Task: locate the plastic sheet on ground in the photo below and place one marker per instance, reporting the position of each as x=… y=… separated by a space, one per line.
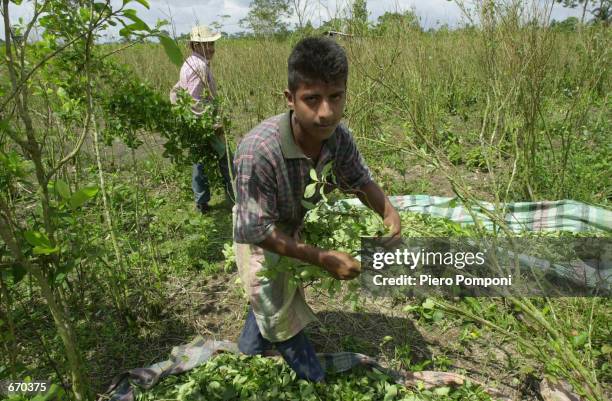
x=562 y=215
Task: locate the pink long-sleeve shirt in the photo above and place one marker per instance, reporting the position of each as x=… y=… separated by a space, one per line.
x=195 y=76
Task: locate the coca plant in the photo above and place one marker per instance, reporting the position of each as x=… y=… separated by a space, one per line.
x=49 y=107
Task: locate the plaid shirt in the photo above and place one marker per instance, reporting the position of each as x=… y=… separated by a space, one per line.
x=272 y=173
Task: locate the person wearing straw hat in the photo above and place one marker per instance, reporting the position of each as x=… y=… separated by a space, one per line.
x=197 y=79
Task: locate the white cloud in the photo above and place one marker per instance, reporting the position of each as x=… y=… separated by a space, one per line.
x=431 y=12
x=236 y=9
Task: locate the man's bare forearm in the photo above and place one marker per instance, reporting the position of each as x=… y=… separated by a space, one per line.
x=373 y=197
x=284 y=245
x=339 y=264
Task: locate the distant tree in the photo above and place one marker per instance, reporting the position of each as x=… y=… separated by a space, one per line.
x=569 y=24
x=303 y=9
x=218 y=25
x=444 y=28
x=334 y=24
x=603 y=13
x=126 y=39
x=600 y=11
x=265 y=17
x=241 y=34
x=306 y=30
x=359 y=16
x=392 y=22
x=360 y=11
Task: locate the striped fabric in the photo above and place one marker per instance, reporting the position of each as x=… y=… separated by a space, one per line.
x=562 y=215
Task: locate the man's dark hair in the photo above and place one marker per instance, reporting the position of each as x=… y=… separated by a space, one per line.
x=317 y=59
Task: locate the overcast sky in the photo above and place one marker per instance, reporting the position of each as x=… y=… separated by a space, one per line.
x=186 y=13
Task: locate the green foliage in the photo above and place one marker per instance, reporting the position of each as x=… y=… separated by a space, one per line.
x=455 y=147
x=334 y=24
x=229 y=255
x=265 y=17
x=395 y=23
x=229 y=376
x=13 y=168
x=587 y=165
x=344 y=226
x=172 y=50
x=41 y=243
x=427 y=310
x=359 y=16
x=81 y=196
x=570 y=24
x=132 y=106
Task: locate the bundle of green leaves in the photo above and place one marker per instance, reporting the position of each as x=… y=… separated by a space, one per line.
x=240 y=377
x=343 y=229
x=345 y=225
x=132 y=106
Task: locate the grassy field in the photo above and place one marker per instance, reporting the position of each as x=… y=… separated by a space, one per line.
x=481 y=110
x=507 y=112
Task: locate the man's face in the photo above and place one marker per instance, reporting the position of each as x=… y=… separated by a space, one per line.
x=318 y=108
x=206 y=49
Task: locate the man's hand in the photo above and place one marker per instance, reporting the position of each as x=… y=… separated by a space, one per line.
x=373 y=197
x=393 y=222
x=219 y=130
x=340 y=265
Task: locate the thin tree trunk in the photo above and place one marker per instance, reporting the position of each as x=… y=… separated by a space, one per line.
x=117 y=291
x=32 y=148
x=119 y=295
x=80 y=385
x=10 y=344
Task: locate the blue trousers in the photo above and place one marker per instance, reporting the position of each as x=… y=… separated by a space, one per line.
x=201 y=186
x=297 y=351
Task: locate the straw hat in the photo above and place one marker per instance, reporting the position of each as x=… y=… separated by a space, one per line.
x=203 y=34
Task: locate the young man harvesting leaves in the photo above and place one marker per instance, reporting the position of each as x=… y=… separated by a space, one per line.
x=272 y=164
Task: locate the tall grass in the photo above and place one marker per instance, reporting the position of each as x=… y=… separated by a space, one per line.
x=536 y=97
